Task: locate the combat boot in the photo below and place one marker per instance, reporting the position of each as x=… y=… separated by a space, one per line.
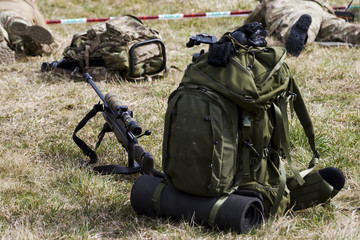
x=296 y=40
x=36 y=33
x=7 y=56
x=31 y=48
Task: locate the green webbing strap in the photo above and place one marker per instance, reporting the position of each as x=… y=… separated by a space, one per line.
x=281 y=190
x=281 y=122
x=306 y=122
x=215 y=209
x=246 y=133
x=306 y=172
x=283 y=103
x=277 y=66
x=156 y=197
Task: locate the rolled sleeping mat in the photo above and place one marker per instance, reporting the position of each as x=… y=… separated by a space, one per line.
x=238 y=212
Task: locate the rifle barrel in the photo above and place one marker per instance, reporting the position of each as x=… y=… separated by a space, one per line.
x=93 y=85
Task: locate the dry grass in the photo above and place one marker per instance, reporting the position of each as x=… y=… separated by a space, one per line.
x=43 y=193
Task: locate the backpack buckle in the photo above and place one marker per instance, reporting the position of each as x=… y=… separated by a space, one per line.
x=289 y=96
x=248 y=98
x=265 y=153
x=292 y=96
x=246 y=121
x=248 y=143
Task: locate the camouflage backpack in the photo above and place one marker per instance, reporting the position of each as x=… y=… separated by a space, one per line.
x=226 y=128
x=122 y=47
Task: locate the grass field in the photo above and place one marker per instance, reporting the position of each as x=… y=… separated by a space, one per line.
x=45 y=195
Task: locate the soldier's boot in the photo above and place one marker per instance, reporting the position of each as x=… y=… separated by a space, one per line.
x=32 y=48
x=7 y=55
x=296 y=40
x=36 y=33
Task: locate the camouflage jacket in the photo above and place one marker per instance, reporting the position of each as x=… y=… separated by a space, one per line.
x=26 y=8
x=258 y=15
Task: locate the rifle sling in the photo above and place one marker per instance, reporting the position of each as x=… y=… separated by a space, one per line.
x=104 y=170
x=115 y=169
x=81 y=144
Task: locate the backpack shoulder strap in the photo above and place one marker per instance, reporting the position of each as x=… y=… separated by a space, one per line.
x=306 y=122
x=282 y=122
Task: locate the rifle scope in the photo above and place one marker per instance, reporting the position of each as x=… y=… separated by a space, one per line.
x=115 y=104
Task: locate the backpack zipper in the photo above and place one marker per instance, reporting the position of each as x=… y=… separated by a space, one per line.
x=216 y=98
x=237 y=63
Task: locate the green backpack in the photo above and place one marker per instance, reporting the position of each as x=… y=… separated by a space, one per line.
x=122 y=47
x=226 y=128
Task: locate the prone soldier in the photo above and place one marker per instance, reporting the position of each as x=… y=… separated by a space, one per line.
x=296 y=23
x=22 y=29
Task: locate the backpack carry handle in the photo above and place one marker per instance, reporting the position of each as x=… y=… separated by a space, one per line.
x=132 y=49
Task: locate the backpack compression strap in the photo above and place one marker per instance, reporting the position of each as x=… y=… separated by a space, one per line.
x=282 y=124
x=89 y=49
x=281 y=132
x=215 y=209
x=218 y=204
x=157 y=195
x=281 y=190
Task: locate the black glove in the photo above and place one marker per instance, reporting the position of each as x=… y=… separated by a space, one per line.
x=220 y=53
x=254 y=32
x=251 y=34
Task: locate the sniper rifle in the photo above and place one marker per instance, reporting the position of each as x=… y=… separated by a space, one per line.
x=127 y=131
